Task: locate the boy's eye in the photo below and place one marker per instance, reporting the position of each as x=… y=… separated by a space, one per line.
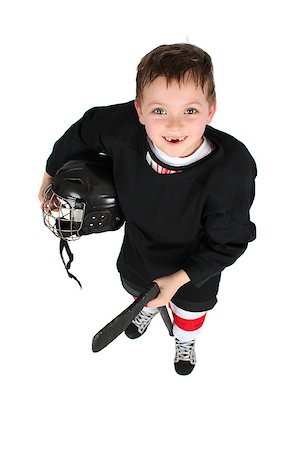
x=159 y=111
x=191 y=110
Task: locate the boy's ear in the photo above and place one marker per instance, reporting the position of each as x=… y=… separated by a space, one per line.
x=139 y=112
x=212 y=111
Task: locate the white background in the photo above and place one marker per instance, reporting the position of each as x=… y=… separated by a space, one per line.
x=59 y=58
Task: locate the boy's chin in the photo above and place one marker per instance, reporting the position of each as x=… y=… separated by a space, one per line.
x=177 y=151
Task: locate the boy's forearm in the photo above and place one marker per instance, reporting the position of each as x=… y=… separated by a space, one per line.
x=47 y=179
x=180 y=278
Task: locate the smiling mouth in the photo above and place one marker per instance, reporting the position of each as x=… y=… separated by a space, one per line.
x=174 y=139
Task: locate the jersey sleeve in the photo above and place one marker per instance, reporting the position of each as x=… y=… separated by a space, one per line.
x=227 y=228
x=84 y=136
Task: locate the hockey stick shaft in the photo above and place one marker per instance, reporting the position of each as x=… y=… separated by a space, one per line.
x=114 y=328
x=166 y=318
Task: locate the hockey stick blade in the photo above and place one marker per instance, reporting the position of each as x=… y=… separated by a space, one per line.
x=114 y=328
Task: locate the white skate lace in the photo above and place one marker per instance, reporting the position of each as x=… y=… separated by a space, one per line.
x=185 y=351
x=142 y=320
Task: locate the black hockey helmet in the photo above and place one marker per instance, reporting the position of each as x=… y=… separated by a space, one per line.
x=82 y=199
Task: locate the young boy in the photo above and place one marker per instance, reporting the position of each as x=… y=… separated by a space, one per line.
x=185 y=188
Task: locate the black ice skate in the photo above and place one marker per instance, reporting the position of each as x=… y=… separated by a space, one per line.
x=139 y=324
x=185 y=357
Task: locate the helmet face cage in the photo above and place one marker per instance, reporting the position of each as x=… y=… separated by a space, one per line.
x=63 y=216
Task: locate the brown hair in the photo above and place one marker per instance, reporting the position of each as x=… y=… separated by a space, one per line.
x=175 y=62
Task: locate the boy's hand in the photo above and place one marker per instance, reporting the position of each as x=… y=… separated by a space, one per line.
x=168 y=285
x=47 y=179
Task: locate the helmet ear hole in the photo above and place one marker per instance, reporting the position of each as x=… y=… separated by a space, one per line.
x=97 y=222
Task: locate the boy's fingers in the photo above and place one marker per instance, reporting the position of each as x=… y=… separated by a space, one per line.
x=159 y=301
x=51 y=205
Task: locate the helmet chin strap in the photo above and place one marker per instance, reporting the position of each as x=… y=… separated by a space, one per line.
x=63 y=245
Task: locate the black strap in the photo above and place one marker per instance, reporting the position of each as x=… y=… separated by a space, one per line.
x=64 y=245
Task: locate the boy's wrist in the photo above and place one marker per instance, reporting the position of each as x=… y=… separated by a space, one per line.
x=180 y=278
x=47 y=176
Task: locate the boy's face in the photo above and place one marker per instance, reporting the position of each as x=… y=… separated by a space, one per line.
x=175 y=116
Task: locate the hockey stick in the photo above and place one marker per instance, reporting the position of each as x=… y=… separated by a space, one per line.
x=114 y=328
x=166 y=318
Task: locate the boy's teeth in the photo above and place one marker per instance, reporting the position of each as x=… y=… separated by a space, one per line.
x=169 y=139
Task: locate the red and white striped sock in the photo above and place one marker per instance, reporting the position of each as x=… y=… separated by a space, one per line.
x=187 y=324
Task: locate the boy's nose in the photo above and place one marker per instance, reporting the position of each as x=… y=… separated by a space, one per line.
x=174 y=123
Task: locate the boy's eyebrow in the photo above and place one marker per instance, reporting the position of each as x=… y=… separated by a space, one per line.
x=162 y=104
